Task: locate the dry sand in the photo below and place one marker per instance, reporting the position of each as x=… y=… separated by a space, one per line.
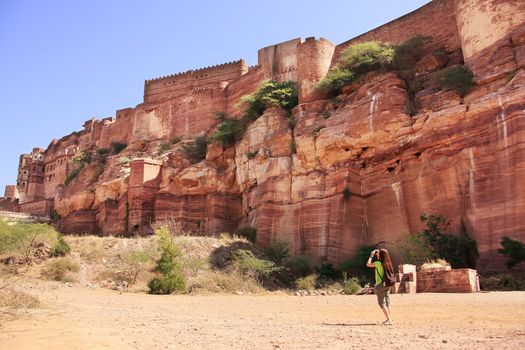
x=82 y=318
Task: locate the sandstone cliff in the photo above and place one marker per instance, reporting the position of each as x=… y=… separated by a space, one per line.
x=357 y=169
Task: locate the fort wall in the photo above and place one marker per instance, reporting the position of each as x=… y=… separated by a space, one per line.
x=279 y=62
x=314 y=58
x=436 y=19
x=165 y=88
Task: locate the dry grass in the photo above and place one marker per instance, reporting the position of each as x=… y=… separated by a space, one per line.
x=60 y=270
x=435 y=264
x=14 y=299
x=223 y=282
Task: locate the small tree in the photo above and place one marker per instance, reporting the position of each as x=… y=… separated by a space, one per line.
x=196 y=151
x=514 y=250
x=168 y=265
x=458 y=78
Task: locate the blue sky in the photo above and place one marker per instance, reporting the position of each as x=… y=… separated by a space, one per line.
x=66 y=61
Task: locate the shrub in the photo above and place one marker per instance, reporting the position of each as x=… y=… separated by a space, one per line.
x=73 y=174
x=252 y=155
x=21 y=240
x=59 y=270
x=175 y=140
x=307 y=283
x=250 y=233
x=350 y=285
x=415 y=249
x=253 y=266
x=163 y=147
x=83 y=157
x=118 y=147
x=357 y=265
x=459 y=250
x=277 y=251
x=366 y=57
x=299 y=265
x=138 y=261
x=196 y=151
x=514 y=250
x=502 y=282
x=124 y=160
x=102 y=151
x=346 y=193
x=168 y=265
x=336 y=79
x=270 y=93
x=228 y=132
x=458 y=78
x=61 y=247
x=328 y=271
x=410 y=52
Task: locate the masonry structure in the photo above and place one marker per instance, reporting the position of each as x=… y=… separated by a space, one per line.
x=460 y=157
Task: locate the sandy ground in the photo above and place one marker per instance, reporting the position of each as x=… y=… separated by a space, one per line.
x=82 y=318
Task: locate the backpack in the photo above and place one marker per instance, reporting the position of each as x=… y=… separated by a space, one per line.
x=389 y=278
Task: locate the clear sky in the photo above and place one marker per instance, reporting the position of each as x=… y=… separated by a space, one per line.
x=66 y=61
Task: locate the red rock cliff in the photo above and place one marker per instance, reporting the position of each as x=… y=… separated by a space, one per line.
x=460 y=157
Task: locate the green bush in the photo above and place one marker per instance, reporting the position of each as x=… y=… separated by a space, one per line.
x=196 y=151
x=366 y=57
x=514 y=250
x=350 y=285
x=228 y=132
x=83 y=157
x=270 y=93
x=300 y=265
x=307 y=282
x=336 y=79
x=175 y=140
x=118 y=147
x=61 y=247
x=250 y=233
x=102 y=151
x=357 y=265
x=253 y=266
x=73 y=174
x=410 y=52
x=346 y=193
x=164 y=147
x=459 y=250
x=457 y=78
x=168 y=265
x=20 y=240
x=415 y=249
x=328 y=271
x=277 y=251
x=252 y=155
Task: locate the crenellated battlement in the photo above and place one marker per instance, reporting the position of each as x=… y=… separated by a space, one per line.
x=204 y=70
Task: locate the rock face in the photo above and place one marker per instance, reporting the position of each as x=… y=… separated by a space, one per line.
x=354 y=170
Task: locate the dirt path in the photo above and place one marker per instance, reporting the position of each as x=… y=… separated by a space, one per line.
x=83 y=318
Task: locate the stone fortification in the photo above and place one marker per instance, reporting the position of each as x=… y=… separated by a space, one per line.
x=361 y=171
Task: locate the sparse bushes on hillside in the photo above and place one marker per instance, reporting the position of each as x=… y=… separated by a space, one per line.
x=410 y=52
x=196 y=151
x=61 y=247
x=277 y=252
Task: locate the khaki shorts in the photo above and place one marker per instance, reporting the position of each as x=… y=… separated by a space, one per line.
x=383 y=295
